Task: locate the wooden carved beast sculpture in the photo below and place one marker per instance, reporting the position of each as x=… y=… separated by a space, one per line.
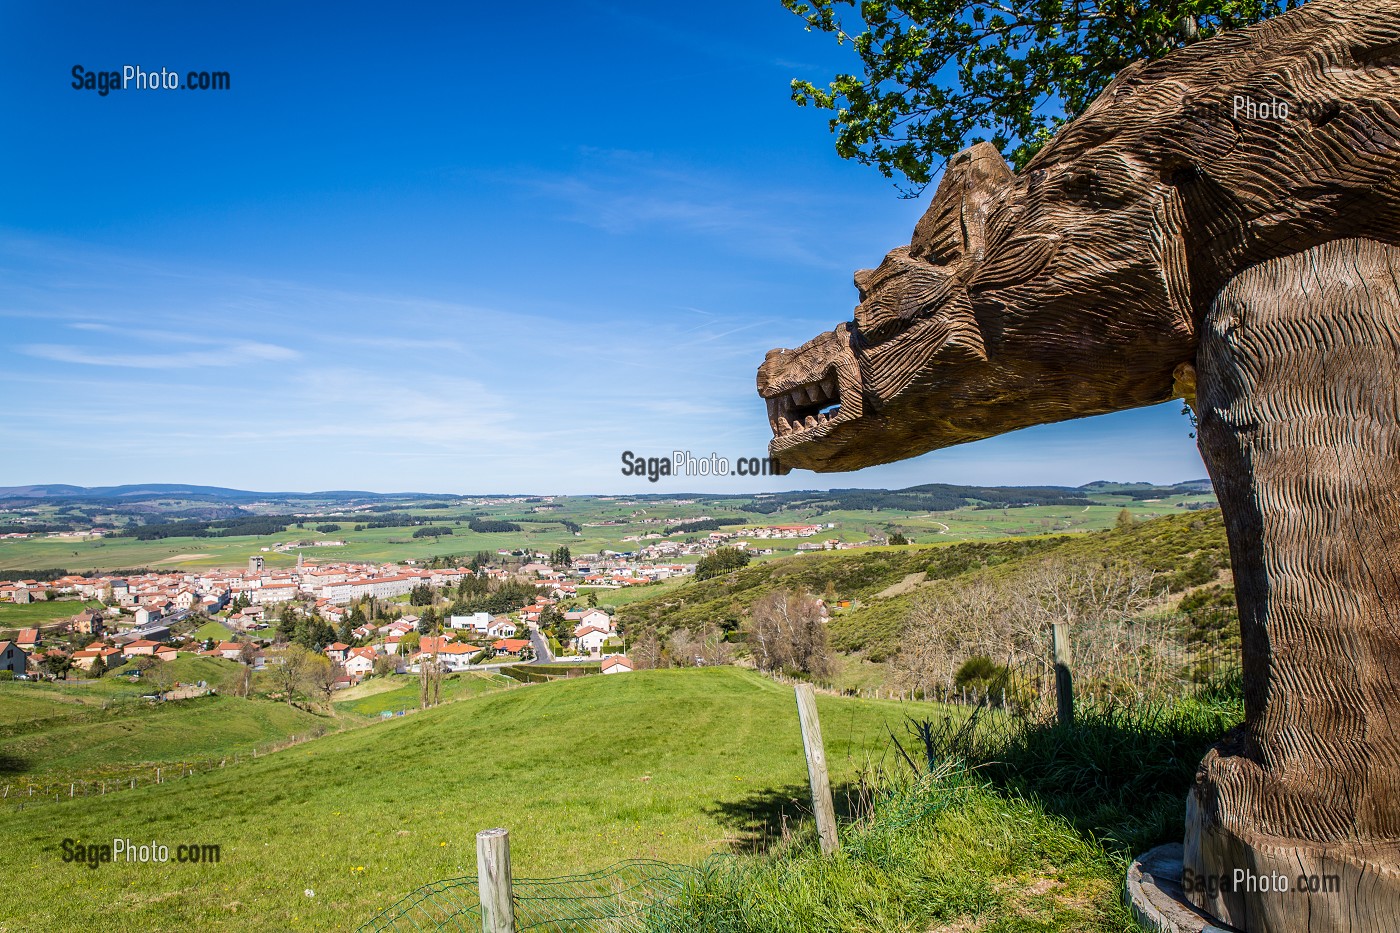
x=1224 y=221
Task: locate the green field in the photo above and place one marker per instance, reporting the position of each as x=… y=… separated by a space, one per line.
x=55 y=734
x=32 y=615
x=224 y=676
x=402 y=692
x=211 y=630
x=545 y=531
x=669 y=765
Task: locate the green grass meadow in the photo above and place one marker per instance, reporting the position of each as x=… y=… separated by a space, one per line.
x=402 y=692
x=668 y=765
x=212 y=630
x=130 y=738
x=544 y=532
x=35 y=614
x=1030 y=834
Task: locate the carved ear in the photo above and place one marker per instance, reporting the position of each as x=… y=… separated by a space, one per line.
x=951 y=231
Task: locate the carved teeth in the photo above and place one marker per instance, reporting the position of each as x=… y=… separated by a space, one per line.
x=799 y=408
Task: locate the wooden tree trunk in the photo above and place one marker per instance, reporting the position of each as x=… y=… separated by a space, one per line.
x=1299 y=401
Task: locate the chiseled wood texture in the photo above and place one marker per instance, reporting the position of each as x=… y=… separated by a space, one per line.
x=1077 y=286
x=1166 y=229
x=1299 y=402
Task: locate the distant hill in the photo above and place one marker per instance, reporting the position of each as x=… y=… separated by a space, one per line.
x=859 y=498
x=184 y=491
x=943 y=497
x=1186 y=550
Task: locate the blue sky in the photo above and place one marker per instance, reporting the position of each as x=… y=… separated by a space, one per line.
x=441 y=248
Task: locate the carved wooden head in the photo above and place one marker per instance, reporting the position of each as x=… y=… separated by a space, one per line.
x=1075 y=287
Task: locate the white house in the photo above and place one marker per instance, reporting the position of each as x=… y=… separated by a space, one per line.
x=477 y=621
x=454 y=657
x=273 y=593
x=590 y=640
x=595 y=618
x=501 y=628
x=360 y=663
x=617 y=664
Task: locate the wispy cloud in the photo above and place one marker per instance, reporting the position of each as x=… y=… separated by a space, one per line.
x=362 y=386
x=233 y=353
x=627 y=193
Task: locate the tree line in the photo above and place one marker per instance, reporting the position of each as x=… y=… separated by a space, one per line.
x=491 y=526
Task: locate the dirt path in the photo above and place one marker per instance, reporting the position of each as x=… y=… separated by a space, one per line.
x=903 y=586
x=177 y=558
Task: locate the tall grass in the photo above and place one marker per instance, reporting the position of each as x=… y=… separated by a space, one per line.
x=998 y=823
x=930 y=853
x=1118 y=774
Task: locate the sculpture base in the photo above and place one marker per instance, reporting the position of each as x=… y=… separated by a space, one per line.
x=1154 y=895
x=1276 y=885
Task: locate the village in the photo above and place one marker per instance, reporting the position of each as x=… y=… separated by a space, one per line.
x=370 y=618
x=158 y=616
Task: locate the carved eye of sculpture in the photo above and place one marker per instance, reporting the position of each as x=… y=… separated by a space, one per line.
x=1077 y=187
x=1101 y=184
x=896 y=295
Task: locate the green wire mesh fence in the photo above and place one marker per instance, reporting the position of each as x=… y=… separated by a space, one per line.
x=630 y=896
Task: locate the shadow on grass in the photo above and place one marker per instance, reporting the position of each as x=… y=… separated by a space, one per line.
x=12 y=764
x=1118 y=774
x=764 y=818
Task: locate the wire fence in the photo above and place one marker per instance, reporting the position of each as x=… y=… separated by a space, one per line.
x=634 y=896
x=1142 y=664
x=1149 y=665
x=31 y=790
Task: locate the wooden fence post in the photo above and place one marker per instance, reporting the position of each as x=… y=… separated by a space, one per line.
x=822 y=807
x=1064 y=681
x=493 y=881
